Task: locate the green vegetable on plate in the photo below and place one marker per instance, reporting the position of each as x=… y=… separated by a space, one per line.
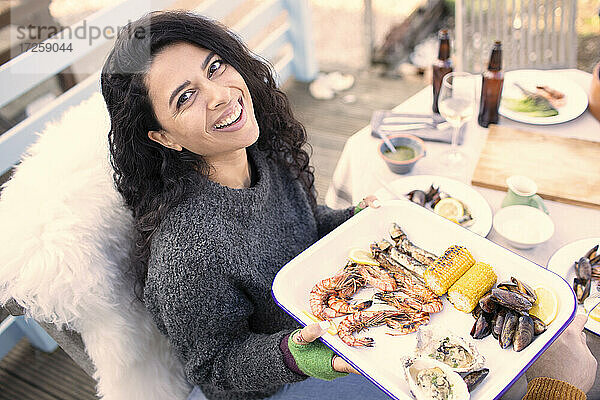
x=532 y=104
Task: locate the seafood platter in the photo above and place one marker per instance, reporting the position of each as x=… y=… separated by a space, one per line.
x=422 y=307
x=445 y=196
x=579 y=263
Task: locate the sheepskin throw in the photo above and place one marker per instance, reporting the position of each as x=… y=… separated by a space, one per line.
x=65 y=238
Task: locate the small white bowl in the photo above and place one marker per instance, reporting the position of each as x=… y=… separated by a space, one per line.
x=523 y=227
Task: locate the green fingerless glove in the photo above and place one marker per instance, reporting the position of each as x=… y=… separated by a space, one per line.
x=314 y=359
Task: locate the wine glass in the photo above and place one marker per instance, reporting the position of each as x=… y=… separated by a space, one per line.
x=457 y=105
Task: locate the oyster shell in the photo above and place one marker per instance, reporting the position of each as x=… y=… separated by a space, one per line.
x=459 y=353
x=429 y=379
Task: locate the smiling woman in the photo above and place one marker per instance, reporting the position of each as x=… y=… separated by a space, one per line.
x=211 y=161
x=209 y=114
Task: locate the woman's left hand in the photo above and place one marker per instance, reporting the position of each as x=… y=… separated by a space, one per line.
x=312 y=332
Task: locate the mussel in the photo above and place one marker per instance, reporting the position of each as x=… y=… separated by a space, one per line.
x=525 y=290
x=417 y=196
x=499 y=323
x=487 y=303
x=538 y=325
x=466 y=220
x=431 y=193
x=520 y=287
x=493 y=325
x=476 y=311
x=511 y=320
x=472 y=379
x=583 y=269
x=591 y=252
x=582 y=288
x=523 y=333
x=482 y=327
x=512 y=300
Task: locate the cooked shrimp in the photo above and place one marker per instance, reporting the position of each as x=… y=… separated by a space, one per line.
x=342 y=306
x=357 y=322
x=345 y=282
x=430 y=302
x=377 y=277
x=400 y=301
x=404 y=324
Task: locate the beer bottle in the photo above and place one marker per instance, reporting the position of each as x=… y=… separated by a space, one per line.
x=441 y=67
x=491 y=88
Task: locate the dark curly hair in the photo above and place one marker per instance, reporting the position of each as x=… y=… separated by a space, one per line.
x=153 y=178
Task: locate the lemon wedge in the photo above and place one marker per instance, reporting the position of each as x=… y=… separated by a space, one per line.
x=332 y=329
x=361 y=256
x=589 y=303
x=450 y=208
x=546 y=306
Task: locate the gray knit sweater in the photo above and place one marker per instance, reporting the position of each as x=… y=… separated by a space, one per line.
x=212 y=264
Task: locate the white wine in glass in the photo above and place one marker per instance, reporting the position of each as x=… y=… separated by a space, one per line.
x=457 y=105
x=456 y=111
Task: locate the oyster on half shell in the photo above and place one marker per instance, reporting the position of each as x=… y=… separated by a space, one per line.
x=429 y=379
x=459 y=353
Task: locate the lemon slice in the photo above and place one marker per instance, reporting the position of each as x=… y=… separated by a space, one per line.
x=546 y=306
x=361 y=256
x=332 y=330
x=449 y=208
x=589 y=303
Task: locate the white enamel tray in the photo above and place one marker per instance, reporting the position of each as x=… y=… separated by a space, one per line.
x=562 y=261
x=380 y=363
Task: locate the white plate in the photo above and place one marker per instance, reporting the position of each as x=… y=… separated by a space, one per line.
x=381 y=363
x=576 y=99
x=562 y=261
x=480 y=209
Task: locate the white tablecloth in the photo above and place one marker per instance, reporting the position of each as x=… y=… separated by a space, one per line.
x=360 y=170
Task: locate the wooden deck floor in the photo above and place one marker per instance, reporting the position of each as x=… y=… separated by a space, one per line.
x=28 y=374
x=329 y=123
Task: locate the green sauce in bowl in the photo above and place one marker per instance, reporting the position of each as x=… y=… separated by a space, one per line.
x=402 y=153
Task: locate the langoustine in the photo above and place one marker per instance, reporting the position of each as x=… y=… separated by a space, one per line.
x=343 y=284
x=401 y=322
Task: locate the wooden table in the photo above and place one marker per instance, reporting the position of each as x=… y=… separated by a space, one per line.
x=360 y=170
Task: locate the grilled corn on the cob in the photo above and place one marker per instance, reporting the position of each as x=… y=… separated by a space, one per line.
x=469 y=288
x=448 y=268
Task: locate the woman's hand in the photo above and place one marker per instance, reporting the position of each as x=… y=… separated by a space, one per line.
x=311 y=333
x=369 y=201
x=568 y=358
